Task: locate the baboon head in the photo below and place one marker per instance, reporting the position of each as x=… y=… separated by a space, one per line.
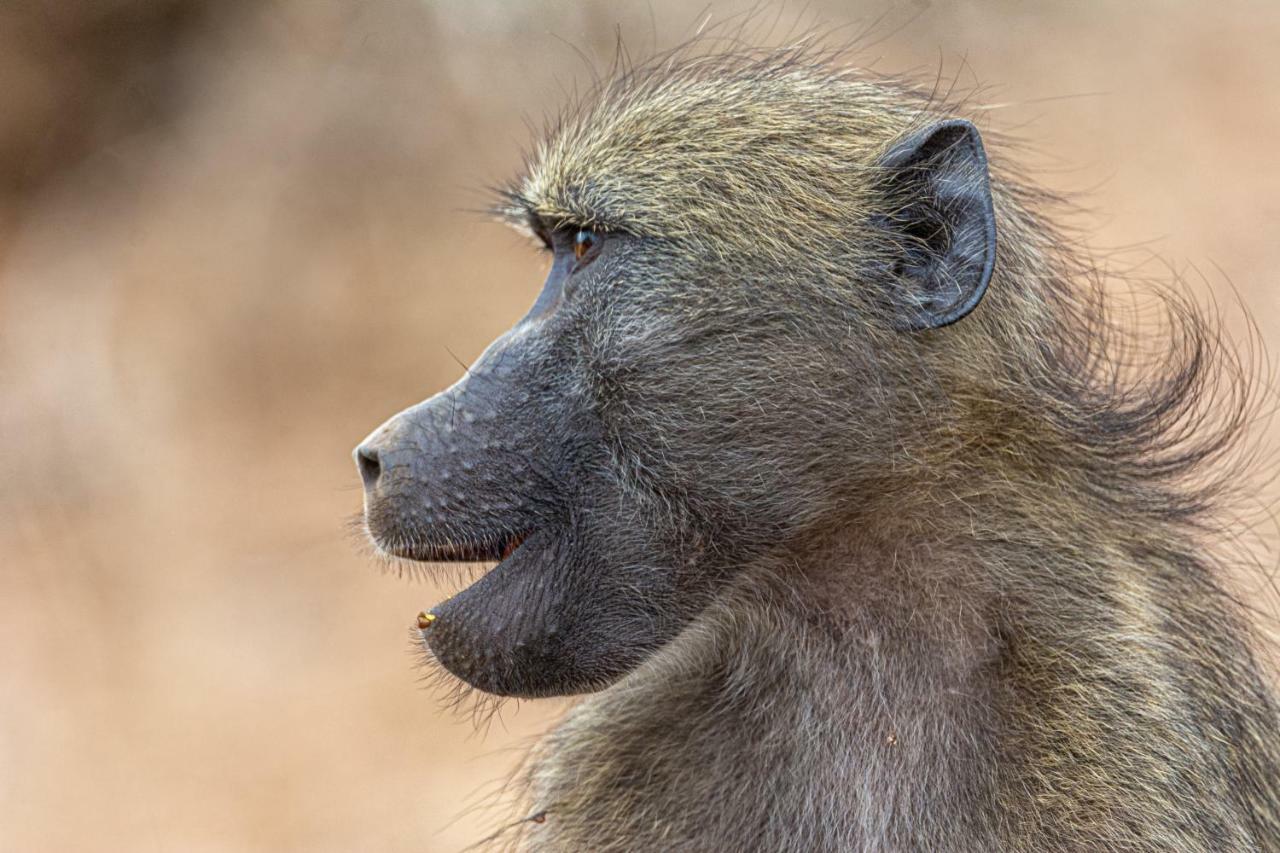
x=751 y=263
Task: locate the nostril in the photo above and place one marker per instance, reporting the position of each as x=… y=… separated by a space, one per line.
x=369 y=464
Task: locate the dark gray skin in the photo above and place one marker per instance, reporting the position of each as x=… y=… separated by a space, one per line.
x=532 y=454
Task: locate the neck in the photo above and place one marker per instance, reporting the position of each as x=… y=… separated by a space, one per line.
x=843 y=723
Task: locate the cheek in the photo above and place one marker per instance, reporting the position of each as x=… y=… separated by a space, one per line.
x=739 y=422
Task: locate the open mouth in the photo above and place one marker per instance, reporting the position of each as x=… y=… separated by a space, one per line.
x=487 y=550
x=492 y=550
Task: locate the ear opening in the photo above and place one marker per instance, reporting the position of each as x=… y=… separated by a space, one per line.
x=941 y=224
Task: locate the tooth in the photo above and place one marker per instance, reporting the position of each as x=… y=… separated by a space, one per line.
x=425 y=619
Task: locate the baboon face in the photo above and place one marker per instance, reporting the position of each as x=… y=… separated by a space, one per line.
x=673 y=404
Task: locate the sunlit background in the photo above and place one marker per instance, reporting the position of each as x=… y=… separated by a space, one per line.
x=234 y=236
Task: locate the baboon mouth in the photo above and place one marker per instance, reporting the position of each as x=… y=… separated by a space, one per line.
x=482 y=550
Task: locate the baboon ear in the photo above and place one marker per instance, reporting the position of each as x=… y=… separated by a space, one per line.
x=941 y=222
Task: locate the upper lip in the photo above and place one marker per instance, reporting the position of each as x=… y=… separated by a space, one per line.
x=481 y=550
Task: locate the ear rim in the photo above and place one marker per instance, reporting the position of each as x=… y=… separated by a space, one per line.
x=901 y=154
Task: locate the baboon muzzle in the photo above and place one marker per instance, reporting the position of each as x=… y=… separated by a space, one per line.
x=452 y=478
x=477 y=474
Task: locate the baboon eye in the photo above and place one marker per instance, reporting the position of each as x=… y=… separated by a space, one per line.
x=586 y=243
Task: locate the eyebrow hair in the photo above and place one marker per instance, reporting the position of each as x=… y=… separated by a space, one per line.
x=512 y=207
x=517 y=211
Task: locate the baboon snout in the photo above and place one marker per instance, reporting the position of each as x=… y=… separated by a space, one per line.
x=398 y=472
x=448 y=479
x=379 y=454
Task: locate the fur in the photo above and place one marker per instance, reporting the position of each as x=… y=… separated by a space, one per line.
x=976 y=605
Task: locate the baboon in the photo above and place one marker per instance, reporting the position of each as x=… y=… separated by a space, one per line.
x=821 y=463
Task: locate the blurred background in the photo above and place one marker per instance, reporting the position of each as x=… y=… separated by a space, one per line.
x=235 y=236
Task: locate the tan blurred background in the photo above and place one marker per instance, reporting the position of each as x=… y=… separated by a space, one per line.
x=234 y=236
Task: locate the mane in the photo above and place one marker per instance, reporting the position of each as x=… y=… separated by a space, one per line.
x=1163 y=412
